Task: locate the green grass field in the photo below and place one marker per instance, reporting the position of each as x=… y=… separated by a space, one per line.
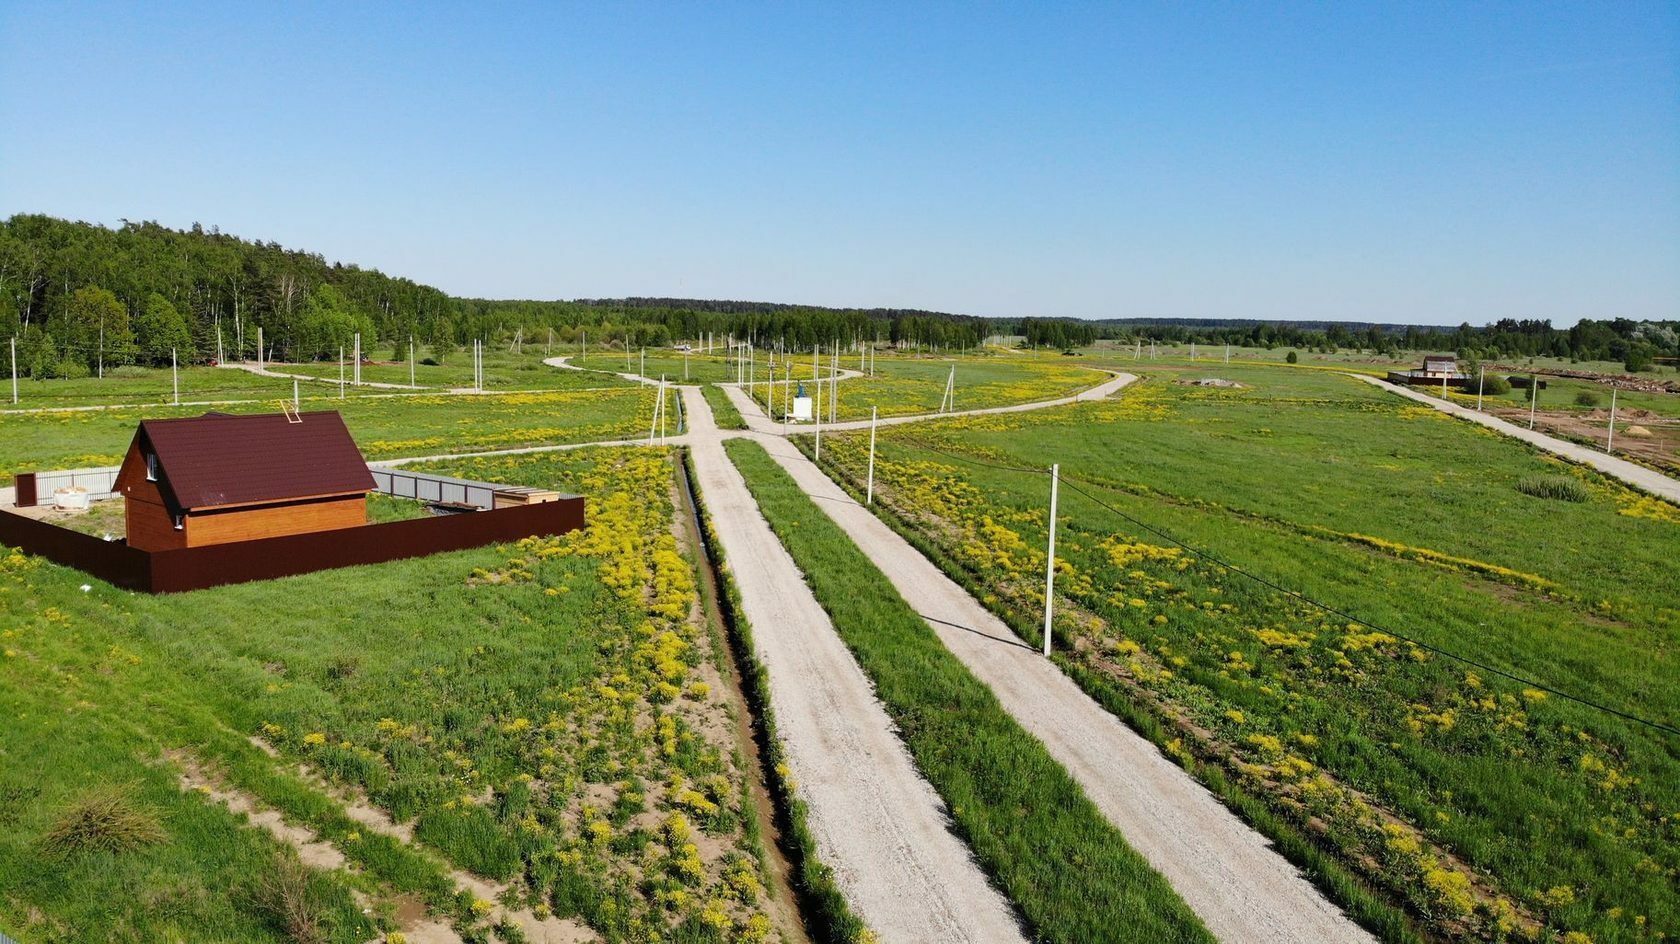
x=384 y=427
x=906 y=385
x=146 y=385
x=1479 y=805
x=503 y=371
x=1025 y=818
x=548 y=715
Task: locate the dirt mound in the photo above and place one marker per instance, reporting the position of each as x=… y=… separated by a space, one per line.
x=1638 y=431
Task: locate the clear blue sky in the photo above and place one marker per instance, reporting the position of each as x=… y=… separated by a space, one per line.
x=1402 y=162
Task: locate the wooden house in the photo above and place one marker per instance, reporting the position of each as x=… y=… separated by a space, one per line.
x=218 y=478
x=1440 y=365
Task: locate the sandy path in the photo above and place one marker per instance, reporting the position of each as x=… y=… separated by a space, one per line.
x=1636 y=475
x=1225 y=871
x=878 y=824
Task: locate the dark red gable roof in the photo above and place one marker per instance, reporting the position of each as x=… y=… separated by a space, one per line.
x=219 y=459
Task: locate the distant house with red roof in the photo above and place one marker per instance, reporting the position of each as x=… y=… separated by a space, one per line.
x=218 y=478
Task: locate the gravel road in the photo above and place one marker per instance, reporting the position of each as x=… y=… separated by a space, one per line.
x=878 y=824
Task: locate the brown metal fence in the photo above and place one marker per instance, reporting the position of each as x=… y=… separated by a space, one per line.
x=195 y=568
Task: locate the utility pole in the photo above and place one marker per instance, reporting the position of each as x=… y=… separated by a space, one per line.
x=1609 y=440
x=834 y=394
x=1050 y=564
x=356 y=371
x=1481 y=383
x=341 y=371
x=14 y=370
x=219 y=358
x=1534 y=397
x=294 y=395
x=816 y=413
x=869 y=490
x=174 y=377
x=411 y=361
x=260 y=352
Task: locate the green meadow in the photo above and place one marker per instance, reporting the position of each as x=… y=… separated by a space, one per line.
x=384 y=426
x=547 y=716
x=1430 y=796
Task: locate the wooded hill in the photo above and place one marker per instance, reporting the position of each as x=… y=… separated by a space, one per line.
x=81 y=296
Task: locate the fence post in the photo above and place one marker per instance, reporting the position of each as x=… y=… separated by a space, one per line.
x=1050 y=565
x=1610 y=440
x=14 y=370
x=869 y=493
x=174 y=377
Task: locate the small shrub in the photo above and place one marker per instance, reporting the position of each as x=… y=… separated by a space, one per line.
x=1560 y=487
x=103 y=819
x=1493 y=385
x=1587 y=398
x=1293 y=358
x=429 y=361
x=285 y=897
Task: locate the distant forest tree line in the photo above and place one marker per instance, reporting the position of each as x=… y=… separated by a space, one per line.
x=1634 y=344
x=81 y=298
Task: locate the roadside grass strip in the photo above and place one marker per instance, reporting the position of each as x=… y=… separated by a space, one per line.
x=1050 y=850
x=724 y=412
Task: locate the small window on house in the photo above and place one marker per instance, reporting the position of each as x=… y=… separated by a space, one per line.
x=151 y=467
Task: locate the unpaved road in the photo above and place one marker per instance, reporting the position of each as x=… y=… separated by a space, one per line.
x=1636 y=475
x=760 y=422
x=1241 y=888
x=878 y=824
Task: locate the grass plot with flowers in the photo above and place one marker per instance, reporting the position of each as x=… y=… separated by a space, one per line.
x=1429 y=796
x=546 y=716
